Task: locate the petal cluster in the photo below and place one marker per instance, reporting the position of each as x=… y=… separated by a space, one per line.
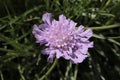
x=63 y=39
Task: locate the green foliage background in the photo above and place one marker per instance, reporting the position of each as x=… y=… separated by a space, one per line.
x=20 y=57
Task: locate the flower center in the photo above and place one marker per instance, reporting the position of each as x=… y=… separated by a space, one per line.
x=57 y=38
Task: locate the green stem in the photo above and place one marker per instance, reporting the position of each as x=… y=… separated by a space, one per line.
x=6 y=50
x=114 y=41
x=68 y=68
x=116 y=37
x=1 y=75
x=107 y=3
x=109 y=39
x=75 y=72
x=49 y=71
x=21 y=72
x=105 y=27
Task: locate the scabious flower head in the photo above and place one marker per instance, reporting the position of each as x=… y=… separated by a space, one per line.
x=63 y=39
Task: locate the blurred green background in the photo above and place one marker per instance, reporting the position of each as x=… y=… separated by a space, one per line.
x=20 y=57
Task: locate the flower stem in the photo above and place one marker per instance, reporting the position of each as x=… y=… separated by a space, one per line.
x=105 y=27
x=1 y=75
x=49 y=71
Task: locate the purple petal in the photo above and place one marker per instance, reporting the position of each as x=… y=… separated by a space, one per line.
x=79 y=58
x=43 y=26
x=45 y=51
x=36 y=30
x=51 y=55
x=58 y=54
x=37 y=33
x=47 y=18
x=90 y=45
x=62 y=18
x=66 y=56
x=72 y=25
x=80 y=29
x=38 y=38
x=50 y=58
x=88 y=33
x=84 y=49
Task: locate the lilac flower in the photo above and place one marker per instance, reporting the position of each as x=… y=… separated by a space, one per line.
x=62 y=39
